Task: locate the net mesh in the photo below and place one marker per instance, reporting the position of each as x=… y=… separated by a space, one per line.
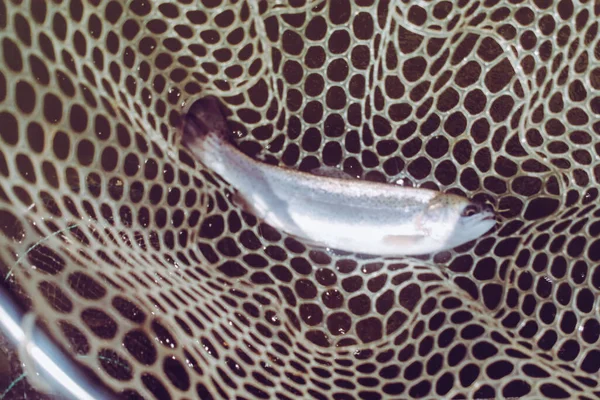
x=145 y=271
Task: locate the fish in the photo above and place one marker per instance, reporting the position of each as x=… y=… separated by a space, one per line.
x=328 y=208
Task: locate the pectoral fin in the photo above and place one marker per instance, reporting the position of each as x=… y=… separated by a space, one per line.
x=331 y=172
x=402 y=240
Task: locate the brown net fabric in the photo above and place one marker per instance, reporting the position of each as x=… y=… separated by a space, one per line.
x=144 y=270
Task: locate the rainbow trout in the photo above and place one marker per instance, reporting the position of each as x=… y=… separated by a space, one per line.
x=335 y=211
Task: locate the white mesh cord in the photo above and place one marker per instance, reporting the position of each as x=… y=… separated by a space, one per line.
x=144 y=271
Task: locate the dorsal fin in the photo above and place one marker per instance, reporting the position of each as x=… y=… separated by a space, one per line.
x=331 y=172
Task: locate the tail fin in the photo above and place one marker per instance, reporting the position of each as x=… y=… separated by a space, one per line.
x=206 y=135
x=204 y=121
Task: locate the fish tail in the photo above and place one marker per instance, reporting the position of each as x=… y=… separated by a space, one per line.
x=205 y=127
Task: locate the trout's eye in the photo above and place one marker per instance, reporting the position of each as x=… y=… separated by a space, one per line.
x=469 y=210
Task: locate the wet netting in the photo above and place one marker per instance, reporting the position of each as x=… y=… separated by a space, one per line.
x=143 y=270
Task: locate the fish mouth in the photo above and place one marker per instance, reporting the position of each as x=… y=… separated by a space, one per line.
x=488 y=217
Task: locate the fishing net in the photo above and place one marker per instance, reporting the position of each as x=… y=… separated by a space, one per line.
x=145 y=272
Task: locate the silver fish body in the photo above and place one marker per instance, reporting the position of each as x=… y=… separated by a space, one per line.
x=346 y=214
